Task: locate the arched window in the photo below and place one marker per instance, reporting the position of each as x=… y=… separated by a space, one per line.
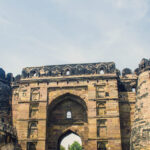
x=69 y=115
x=34 y=75
x=70 y=138
x=67 y=72
x=33 y=125
x=101 y=72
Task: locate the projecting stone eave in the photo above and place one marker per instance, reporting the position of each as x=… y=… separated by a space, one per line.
x=69 y=78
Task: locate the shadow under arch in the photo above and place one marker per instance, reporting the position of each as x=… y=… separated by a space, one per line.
x=64 y=97
x=59 y=104
x=58 y=125
x=66 y=133
x=102 y=69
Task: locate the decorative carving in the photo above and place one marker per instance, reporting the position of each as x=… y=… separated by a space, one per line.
x=34 y=108
x=35 y=94
x=101 y=128
x=32 y=130
x=24 y=93
x=100 y=91
x=101 y=108
x=72 y=69
x=16 y=95
x=102 y=145
x=146 y=134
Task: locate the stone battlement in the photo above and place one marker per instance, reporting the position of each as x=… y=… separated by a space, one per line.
x=143 y=66
x=69 y=69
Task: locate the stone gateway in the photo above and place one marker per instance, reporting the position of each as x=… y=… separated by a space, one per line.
x=107 y=109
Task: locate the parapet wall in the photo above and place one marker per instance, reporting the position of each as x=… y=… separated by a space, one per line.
x=70 y=69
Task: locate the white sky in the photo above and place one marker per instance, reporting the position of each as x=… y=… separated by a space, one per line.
x=70 y=139
x=35 y=32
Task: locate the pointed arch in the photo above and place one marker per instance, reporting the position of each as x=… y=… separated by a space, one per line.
x=58 y=110
x=65 y=96
x=65 y=134
x=102 y=70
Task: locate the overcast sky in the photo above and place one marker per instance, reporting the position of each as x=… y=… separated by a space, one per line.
x=46 y=32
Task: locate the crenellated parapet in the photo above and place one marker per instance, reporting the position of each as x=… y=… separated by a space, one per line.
x=5 y=77
x=70 y=69
x=126 y=71
x=143 y=66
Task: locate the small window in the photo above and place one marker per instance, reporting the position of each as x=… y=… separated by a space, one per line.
x=31 y=146
x=33 y=73
x=67 y=72
x=33 y=124
x=133 y=89
x=69 y=115
x=102 y=145
x=101 y=72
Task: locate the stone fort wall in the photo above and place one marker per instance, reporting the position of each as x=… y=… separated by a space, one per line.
x=7 y=131
x=109 y=110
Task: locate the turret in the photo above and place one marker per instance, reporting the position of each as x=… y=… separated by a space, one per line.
x=140 y=135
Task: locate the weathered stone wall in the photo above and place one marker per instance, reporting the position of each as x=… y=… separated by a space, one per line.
x=140 y=132
x=7 y=131
x=43 y=96
x=105 y=106
x=29 y=111
x=127 y=95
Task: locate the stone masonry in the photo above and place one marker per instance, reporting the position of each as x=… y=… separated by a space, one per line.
x=109 y=110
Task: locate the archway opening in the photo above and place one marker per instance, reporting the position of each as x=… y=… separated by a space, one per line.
x=70 y=140
x=67 y=111
x=101 y=71
x=68 y=72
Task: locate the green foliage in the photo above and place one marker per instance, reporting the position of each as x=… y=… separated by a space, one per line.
x=75 y=146
x=62 y=148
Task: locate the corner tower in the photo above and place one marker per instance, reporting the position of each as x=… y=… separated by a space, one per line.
x=140 y=136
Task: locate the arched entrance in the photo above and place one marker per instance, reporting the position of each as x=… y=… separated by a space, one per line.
x=66 y=114
x=68 y=138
